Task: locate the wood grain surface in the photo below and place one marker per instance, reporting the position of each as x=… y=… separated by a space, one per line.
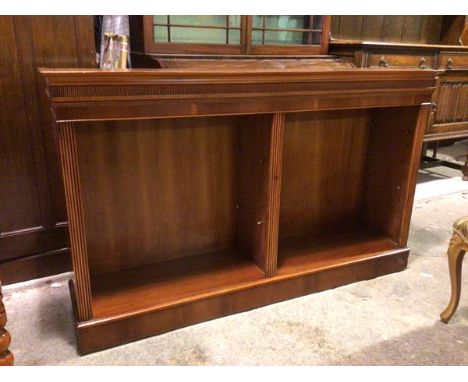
x=268 y=185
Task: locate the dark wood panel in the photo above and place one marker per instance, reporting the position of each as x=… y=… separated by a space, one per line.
x=21 y=243
x=451 y=29
x=431 y=29
x=323 y=170
x=388 y=202
x=53 y=41
x=32 y=210
x=335 y=26
x=392 y=28
x=371 y=28
x=411 y=29
x=33 y=267
x=172 y=191
x=452 y=102
x=400 y=29
x=20 y=206
x=449 y=114
x=350 y=27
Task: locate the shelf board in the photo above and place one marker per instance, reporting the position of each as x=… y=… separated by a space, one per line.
x=184 y=280
x=170 y=283
x=317 y=252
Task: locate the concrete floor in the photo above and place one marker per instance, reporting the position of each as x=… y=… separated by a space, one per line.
x=391 y=320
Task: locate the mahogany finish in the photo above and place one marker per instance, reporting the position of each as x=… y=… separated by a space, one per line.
x=154 y=156
x=33 y=222
x=324 y=159
x=193 y=194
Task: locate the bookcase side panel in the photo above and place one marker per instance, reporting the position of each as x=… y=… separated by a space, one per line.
x=71 y=179
x=396 y=142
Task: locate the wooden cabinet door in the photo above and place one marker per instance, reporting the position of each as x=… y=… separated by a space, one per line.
x=33 y=223
x=449 y=118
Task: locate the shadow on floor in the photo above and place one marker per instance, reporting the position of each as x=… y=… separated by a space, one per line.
x=440 y=344
x=427 y=175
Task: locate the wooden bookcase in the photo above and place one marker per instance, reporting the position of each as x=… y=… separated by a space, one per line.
x=196 y=194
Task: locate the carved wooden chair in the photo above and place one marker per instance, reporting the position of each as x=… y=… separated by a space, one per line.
x=456 y=251
x=6 y=357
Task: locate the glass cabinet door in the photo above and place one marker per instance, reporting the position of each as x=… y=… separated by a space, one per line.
x=235 y=34
x=195 y=33
x=289 y=30
x=300 y=32
x=197 y=29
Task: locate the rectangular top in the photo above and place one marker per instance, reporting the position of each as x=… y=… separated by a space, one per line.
x=91 y=94
x=344 y=71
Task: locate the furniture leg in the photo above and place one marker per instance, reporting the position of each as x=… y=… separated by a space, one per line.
x=456 y=251
x=455 y=258
x=6 y=357
x=425 y=148
x=435 y=149
x=465 y=169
